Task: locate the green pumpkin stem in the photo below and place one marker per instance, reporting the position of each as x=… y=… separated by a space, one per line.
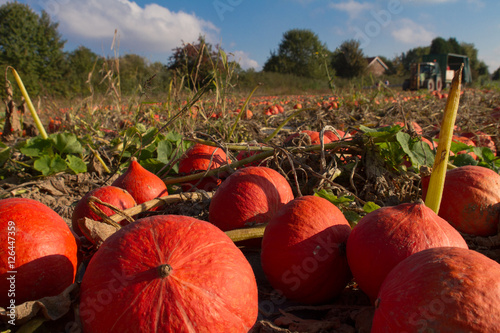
x=238 y=235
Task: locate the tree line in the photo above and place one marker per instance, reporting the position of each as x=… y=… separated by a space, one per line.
x=32 y=45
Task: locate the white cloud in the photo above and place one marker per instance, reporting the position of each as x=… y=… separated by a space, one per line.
x=409 y=32
x=244 y=60
x=152 y=29
x=352 y=7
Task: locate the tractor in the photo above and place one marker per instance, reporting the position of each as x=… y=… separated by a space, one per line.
x=436 y=72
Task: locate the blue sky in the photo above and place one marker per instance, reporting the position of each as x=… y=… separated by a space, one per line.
x=250 y=30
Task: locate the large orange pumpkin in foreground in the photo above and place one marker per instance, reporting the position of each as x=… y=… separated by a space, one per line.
x=301 y=250
x=39 y=246
x=168 y=273
x=444 y=289
x=386 y=236
x=471 y=199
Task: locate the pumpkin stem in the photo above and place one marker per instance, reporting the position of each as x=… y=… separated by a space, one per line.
x=436 y=182
x=164 y=270
x=238 y=235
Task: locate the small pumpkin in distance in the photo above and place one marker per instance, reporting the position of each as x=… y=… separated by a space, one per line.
x=168 y=273
x=313 y=135
x=332 y=136
x=481 y=139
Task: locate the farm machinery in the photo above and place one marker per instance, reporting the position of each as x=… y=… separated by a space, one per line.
x=436 y=71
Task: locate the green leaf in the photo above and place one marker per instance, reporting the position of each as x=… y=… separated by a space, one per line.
x=4 y=153
x=422 y=154
x=370 y=206
x=404 y=140
x=132 y=132
x=141 y=127
x=328 y=195
x=174 y=137
x=392 y=153
x=164 y=151
x=48 y=165
x=66 y=143
x=145 y=154
x=149 y=136
x=152 y=165
x=36 y=147
x=76 y=164
x=485 y=154
x=381 y=132
x=460 y=146
x=419 y=152
x=463 y=159
x=351 y=217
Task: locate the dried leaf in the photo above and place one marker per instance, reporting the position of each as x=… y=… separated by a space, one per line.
x=52 y=308
x=295 y=323
x=95 y=231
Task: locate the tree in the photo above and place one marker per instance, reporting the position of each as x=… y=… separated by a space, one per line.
x=195 y=61
x=478 y=67
x=32 y=45
x=439 y=45
x=349 y=60
x=133 y=73
x=413 y=56
x=496 y=75
x=392 y=65
x=300 y=53
x=83 y=66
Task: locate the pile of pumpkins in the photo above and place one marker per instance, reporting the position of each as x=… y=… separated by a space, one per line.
x=172 y=273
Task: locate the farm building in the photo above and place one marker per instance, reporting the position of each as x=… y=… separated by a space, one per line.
x=376 y=66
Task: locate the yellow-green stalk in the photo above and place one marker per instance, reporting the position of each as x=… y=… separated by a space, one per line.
x=38 y=123
x=436 y=183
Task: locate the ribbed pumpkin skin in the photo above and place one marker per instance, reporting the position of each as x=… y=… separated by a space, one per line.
x=471 y=199
x=386 y=236
x=301 y=254
x=201 y=158
x=447 y=290
x=211 y=287
x=142 y=184
x=249 y=196
x=45 y=251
